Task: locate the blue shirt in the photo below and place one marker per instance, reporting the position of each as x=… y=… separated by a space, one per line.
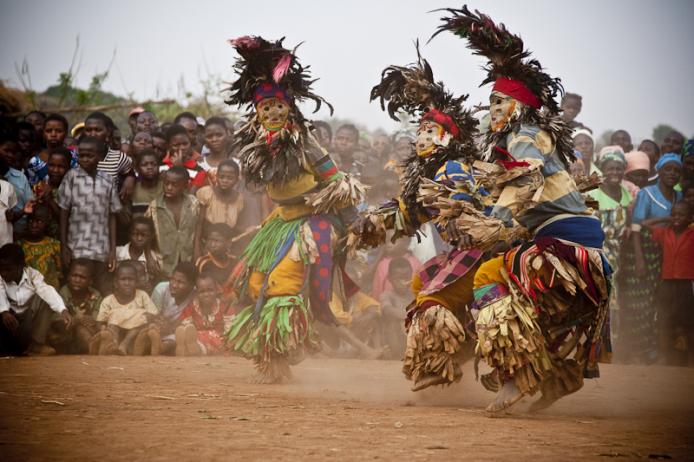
x=650 y=203
x=23 y=191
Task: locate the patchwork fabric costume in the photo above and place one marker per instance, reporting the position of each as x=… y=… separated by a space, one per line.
x=542 y=307
x=287 y=270
x=436 y=320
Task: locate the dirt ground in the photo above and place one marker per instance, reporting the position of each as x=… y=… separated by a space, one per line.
x=125 y=408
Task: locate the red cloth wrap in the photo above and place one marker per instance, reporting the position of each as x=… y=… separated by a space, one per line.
x=517 y=90
x=444 y=120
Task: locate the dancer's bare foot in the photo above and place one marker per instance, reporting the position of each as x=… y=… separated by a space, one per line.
x=546 y=400
x=507 y=397
x=429 y=381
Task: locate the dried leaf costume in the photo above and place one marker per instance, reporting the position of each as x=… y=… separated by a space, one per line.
x=436 y=319
x=287 y=269
x=543 y=305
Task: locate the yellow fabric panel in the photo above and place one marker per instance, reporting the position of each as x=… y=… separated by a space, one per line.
x=293 y=188
x=292 y=212
x=453 y=297
x=488 y=272
x=286 y=279
x=255 y=283
x=558 y=185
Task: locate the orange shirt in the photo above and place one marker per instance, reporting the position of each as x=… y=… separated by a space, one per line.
x=678 y=252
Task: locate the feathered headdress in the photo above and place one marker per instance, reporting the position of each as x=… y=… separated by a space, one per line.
x=412 y=89
x=266 y=69
x=513 y=72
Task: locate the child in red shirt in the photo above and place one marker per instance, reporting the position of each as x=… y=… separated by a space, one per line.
x=676 y=295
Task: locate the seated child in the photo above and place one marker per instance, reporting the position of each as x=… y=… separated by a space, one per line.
x=143 y=248
x=127 y=313
x=83 y=301
x=26 y=302
x=215 y=261
x=42 y=252
x=202 y=323
x=171 y=298
x=675 y=314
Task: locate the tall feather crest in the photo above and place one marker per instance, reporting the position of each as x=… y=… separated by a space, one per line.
x=505 y=51
x=507 y=57
x=263 y=61
x=412 y=89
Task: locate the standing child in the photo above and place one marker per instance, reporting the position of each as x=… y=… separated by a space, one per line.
x=54 y=134
x=143 y=248
x=26 y=302
x=676 y=296
x=202 y=323
x=88 y=202
x=42 y=252
x=180 y=153
x=222 y=202
x=175 y=215
x=218 y=141
x=149 y=185
x=127 y=313
x=141 y=142
x=46 y=190
x=83 y=301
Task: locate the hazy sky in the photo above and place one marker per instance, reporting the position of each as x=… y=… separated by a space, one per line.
x=630 y=59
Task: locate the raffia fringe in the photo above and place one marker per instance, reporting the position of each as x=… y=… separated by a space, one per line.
x=433 y=341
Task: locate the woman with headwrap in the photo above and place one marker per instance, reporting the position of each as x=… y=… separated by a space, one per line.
x=637 y=171
x=613 y=200
x=639 y=279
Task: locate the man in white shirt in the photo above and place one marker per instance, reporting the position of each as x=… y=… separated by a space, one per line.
x=26 y=302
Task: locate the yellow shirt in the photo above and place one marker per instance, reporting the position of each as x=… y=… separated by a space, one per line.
x=130 y=315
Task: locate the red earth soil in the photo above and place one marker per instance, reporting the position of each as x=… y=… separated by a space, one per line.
x=165 y=408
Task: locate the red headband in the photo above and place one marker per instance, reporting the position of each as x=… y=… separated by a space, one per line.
x=442 y=119
x=517 y=90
